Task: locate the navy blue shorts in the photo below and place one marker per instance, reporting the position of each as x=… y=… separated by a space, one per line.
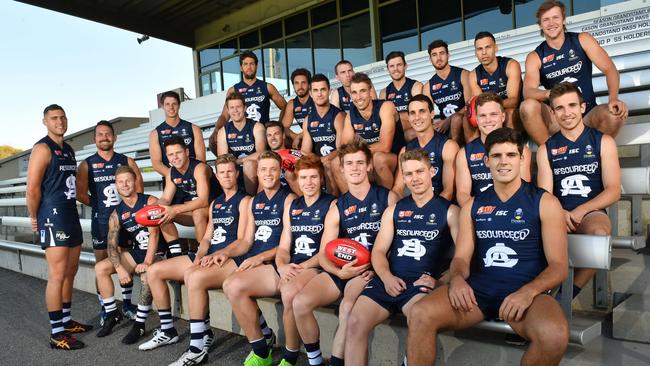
x=376 y=292
x=488 y=303
x=138 y=255
x=340 y=284
x=238 y=260
x=99 y=233
x=59 y=227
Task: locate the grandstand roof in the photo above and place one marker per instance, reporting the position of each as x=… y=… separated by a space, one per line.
x=172 y=20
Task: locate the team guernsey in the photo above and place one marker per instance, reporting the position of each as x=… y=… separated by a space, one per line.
x=434 y=149
x=183 y=129
x=139 y=234
x=509 y=251
x=400 y=97
x=225 y=222
x=186 y=183
x=577 y=175
x=369 y=129
x=360 y=219
x=448 y=93
x=345 y=102
x=568 y=64
x=57 y=217
x=323 y=131
x=103 y=194
x=241 y=143
x=496 y=82
x=301 y=111
x=420 y=239
x=267 y=217
x=257 y=99
x=307 y=223
x=481 y=176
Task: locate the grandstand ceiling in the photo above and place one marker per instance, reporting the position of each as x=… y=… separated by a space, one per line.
x=171 y=20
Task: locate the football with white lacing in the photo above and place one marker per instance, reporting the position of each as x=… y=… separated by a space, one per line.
x=150 y=215
x=343 y=251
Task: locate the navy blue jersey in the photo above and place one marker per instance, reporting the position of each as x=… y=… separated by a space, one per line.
x=421 y=237
x=59 y=185
x=368 y=129
x=267 y=216
x=257 y=99
x=570 y=63
x=434 y=148
x=509 y=251
x=186 y=183
x=496 y=82
x=360 y=219
x=225 y=220
x=577 y=175
x=481 y=176
x=183 y=129
x=402 y=96
x=241 y=143
x=139 y=234
x=323 y=131
x=307 y=226
x=101 y=184
x=448 y=93
x=345 y=102
x=301 y=111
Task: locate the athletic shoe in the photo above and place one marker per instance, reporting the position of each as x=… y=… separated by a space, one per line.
x=255 y=360
x=190 y=358
x=129 y=311
x=160 y=338
x=102 y=317
x=114 y=317
x=271 y=340
x=75 y=327
x=284 y=362
x=208 y=340
x=133 y=335
x=65 y=342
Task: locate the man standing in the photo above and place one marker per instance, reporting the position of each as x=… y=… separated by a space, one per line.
x=96 y=188
x=567 y=56
x=275 y=138
x=517 y=234
x=298 y=108
x=580 y=166
x=340 y=97
x=50 y=196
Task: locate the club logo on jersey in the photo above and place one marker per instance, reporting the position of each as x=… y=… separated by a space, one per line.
x=350 y=210
x=412 y=248
x=296 y=212
x=499 y=256
x=218 y=236
x=304 y=245
x=589 y=150
x=112 y=199
x=98 y=165
x=572 y=54
x=453 y=85
x=476 y=156
x=71 y=183
x=574 y=185
x=548 y=58
x=559 y=150
x=61 y=235
x=432 y=218
x=518 y=217
x=126 y=215
x=485 y=210
x=142 y=237
x=188 y=141
x=403 y=214
x=253 y=112
x=374 y=210
x=484 y=81
x=449 y=109
x=263 y=233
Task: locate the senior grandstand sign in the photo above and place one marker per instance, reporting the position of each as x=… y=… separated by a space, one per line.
x=622 y=27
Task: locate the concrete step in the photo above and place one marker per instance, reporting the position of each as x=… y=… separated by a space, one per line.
x=631 y=319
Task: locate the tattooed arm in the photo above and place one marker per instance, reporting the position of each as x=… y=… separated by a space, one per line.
x=113 y=250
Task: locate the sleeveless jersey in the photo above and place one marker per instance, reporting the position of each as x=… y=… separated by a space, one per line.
x=360 y=219
x=183 y=129
x=434 y=148
x=496 y=82
x=345 y=102
x=402 y=96
x=225 y=220
x=570 y=63
x=322 y=131
x=481 y=176
x=267 y=216
x=307 y=226
x=59 y=185
x=241 y=143
x=301 y=111
x=139 y=234
x=186 y=183
x=101 y=184
x=368 y=129
x=421 y=237
x=577 y=175
x=509 y=251
x=447 y=93
x=257 y=99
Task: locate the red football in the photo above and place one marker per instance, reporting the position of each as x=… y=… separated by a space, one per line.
x=471 y=112
x=344 y=251
x=289 y=158
x=149 y=215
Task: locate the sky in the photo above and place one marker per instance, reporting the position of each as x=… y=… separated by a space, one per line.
x=92 y=70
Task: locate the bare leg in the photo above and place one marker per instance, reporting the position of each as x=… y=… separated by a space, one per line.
x=57 y=263
x=605 y=122
x=594 y=223
x=72 y=265
x=200 y=280
x=160 y=272
x=384 y=166
x=352 y=291
x=537 y=119
x=288 y=290
x=250 y=176
x=320 y=291
x=364 y=317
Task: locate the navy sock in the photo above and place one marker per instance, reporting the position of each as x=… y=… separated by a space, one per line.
x=174 y=247
x=314 y=354
x=335 y=361
x=127 y=291
x=196 y=335
x=290 y=356
x=260 y=348
x=55 y=322
x=66 y=311
x=576 y=291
